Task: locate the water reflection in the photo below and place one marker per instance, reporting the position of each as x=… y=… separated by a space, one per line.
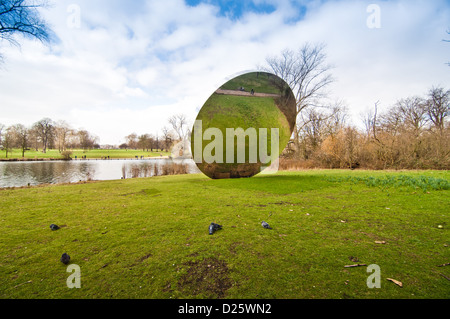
x=17 y=174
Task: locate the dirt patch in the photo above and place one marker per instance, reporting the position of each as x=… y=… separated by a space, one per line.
x=233 y=247
x=208 y=277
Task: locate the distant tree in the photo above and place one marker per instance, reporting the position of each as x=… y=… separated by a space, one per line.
x=21 y=135
x=168 y=138
x=2 y=127
x=8 y=140
x=123 y=146
x=314 y=125
x=131 y=140
x=86 y=140
x=155 y=143
x=62 y=131
x=144 y=142
x=22 y=17
x=438 y=106
x=45 y=130
x=413 y=112
x=33 y=139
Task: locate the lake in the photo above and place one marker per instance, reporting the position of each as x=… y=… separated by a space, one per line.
x=18 y=174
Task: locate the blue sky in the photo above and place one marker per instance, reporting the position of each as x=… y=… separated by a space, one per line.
x=235 y=9
x=126 y=66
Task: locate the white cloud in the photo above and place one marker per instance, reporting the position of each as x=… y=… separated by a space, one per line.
x=131 y=65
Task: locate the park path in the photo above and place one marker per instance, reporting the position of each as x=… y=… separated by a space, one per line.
x=244 y=93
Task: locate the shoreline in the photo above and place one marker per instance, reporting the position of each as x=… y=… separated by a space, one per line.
x=80 y=159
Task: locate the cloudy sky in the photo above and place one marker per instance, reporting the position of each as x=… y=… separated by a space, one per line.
x=126 y=66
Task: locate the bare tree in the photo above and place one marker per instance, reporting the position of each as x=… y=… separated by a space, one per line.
x=22 y=17
x=167 y=138
x=314 y=125
x=145 y=142
x=45 y=130
x=20 y=134
x=2 y=127
x=86 y=140
x=7 y=140
x=62 y=131
x=180 y=126
x=438 y=106
x=131 y=140
x=33 y=138
x=413 y=112
x=438 y=109
x=306 y=73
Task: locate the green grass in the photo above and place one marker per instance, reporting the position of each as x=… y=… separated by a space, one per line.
x=148 y=238
x=92 y=154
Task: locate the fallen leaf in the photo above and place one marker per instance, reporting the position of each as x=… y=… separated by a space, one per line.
x=398 y=283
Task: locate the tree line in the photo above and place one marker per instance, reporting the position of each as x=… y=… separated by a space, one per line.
x=414 y=133
x=45 y=134
x=177 y=130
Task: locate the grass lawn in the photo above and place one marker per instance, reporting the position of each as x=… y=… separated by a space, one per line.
x=148 y=238
x=92 y=154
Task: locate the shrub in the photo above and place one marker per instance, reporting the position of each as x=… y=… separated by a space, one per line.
x=66 y=155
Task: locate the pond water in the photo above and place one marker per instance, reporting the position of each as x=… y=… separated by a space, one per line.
x=18 y=174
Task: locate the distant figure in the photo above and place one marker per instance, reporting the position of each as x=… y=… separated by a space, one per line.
x=252 y=92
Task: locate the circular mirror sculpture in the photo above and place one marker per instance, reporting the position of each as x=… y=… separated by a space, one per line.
x=244 y=126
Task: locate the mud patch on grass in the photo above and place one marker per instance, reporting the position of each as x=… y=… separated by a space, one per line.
x=208 y=277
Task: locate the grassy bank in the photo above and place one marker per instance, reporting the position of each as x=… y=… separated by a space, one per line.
x=148 y=238
x=92 y=154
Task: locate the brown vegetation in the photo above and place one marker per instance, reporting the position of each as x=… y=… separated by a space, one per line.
x=412 y=134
